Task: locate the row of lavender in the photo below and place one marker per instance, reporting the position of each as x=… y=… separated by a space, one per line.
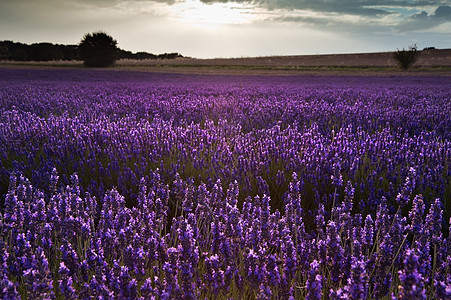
x=283 y=148
x=415 y=104
x=107 y=153
x=63 y=247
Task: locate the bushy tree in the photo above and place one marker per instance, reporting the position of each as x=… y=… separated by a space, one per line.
x=98 y=50
x=4 y=53
x=406 y=58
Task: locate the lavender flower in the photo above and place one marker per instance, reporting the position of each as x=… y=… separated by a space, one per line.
x=381 y=278
x=288 y=255
x=368 y=232
x=382 y=222
x=253 y=269
x=403 y=196
x=38 y=278
x=70 y=258
x=171 y=286
x=416 y=215
x=66 y=282
x=146 y=289
x=265 y=293
x=337 y=178
x=271 y=270
x=412 y=283
x=314 y=282
x=357 y=287
x=8 y=289
x=335 y=253
x=320 y=222
x=433 y=222
x=188 y=259
x=214 y=276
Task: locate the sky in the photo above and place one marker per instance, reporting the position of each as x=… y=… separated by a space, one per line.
x=234 y=28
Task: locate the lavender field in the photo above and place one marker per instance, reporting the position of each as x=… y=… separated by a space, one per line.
x=121 y=184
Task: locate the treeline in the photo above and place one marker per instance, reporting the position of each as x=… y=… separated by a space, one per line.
x=47 y=52
x=123 y=54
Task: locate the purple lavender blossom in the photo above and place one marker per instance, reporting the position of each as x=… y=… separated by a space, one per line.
x=8 y=289
x=253 y=269
x=320 y=222
x=337 y=178
x=214 y=276
x=188 y=259
x=412 y=283
x=416 y=215
x=70 y=258
x=357 y=286
x=433 y=222
x=314 y=282
x=335 y=253
x=403 y=196
x=272 y=273
x=381 y=278
x=171 y=285
x=37 y=278
x=368 y=232
x=66 y=282
x=289 y=263
x=146 y=289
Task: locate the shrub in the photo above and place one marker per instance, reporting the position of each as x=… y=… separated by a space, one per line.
x=406 y=58
x=98 y=50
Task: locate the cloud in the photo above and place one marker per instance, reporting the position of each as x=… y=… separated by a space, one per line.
x=424 y=21
x=365 y=7
x=239 y=27
x=377 y=16
x=443 y=13
x=395 y=15
x=118 y=3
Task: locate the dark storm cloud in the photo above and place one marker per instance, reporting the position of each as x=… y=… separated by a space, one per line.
x=443 y=13
x=423 y=20
x=362 y=7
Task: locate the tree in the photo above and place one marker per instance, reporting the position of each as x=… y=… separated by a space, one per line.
x=406 y=58
x=98 y=50
x=4 y=53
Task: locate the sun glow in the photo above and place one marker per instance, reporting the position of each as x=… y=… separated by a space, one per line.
x=196 y=13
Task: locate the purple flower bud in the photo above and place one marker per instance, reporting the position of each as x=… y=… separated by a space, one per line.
x=170 y=268
x=368 y=232
x=411 y=282
x=357 y=286
x=188 y=259
x=314 y=282
x=253 y=270
x=403 y=196
x=416 y=215
x=335 y=253
x=433 y=222
x=38 y=278
x=213 y=276
x=272 y=271
x=66 y=283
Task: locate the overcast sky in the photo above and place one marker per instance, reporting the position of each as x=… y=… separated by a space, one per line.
x=238 y=28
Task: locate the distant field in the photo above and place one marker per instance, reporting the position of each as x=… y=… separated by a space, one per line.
x=436 y=62
x=428 y=58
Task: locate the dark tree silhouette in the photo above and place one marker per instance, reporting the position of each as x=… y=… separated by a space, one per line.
x=98 y=50
x=406 y=58
x=4 y=53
